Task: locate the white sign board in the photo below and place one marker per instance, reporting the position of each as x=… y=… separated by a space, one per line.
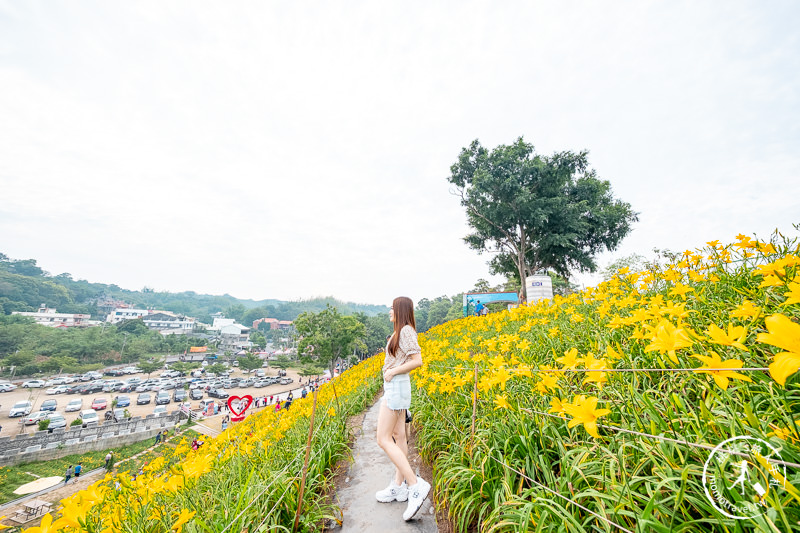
x=538 y=287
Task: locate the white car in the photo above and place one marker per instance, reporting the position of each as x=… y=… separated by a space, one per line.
x=89 y=416
x=59 y=389
x=35 y=417
x=20 y=409
x=7 y=387
x=74 y=405
x=160 y=410
x=55 y=381
x=34 y=384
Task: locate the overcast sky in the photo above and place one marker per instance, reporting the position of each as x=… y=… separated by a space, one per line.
x=297 y=149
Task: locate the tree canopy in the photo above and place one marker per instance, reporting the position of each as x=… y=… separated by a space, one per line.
x=328 y=336
x=537 y=212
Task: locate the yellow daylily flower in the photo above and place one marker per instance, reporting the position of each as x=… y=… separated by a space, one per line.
x=570 y=359
x=500 y=402
x=46 y=526
x=556 y=406
x=669 y=338
x=747 y=309
x=1 y=525
x=734 y=337
x=584 y=411
x=785 y=334
x=680 y=290
x=184 y=517
x=547 y=382
x=721 y=377
x=793 y=296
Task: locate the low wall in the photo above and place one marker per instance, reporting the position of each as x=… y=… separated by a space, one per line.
x=43 y=445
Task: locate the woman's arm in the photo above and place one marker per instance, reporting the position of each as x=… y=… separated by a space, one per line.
x=414 y=362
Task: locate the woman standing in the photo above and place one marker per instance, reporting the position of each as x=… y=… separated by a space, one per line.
x=403 y=355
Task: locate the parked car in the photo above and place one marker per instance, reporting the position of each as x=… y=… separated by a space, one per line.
x=261 y=383
x=7 y=387
x=55 y=381
x=123 y=401
x=143 y=398
x=113 y=372
x=90 y=388
x=99 y=404
x=160 y=410
x=114 y=415
x=33 y=418
x=286 y=381
x=88 y=417
x=20 y=409
x=134 y=380
x=128 y=387
x=130 y=370
x=75 y=388
x=179 y=395
x=162 y=398
x=112 y=386
x=196 y=394
x=49 y=405
x=168 y=385
x=260 y=374
x=74 y=405
x=57 y=421
x=218 y=393
x=33 y=384
x=247 y=382
x=60 y=389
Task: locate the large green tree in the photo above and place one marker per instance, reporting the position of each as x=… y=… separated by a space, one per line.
x=537 y=212
x=328 y=336
x=250 y=362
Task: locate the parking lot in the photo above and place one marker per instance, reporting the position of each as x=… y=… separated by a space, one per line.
x=37 y=396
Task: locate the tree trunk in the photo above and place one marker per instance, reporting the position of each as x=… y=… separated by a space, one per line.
x=521 y=266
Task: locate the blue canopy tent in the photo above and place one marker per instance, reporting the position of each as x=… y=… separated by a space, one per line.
x=471 y=299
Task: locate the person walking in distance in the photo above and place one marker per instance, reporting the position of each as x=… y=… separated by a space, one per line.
x=78 y=469
x=403 y=355
x=68 y=475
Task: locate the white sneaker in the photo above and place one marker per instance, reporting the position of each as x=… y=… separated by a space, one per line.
x=393 y=493
x=416 y=497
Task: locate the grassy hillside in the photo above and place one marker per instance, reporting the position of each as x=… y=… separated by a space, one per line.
x=600 y=411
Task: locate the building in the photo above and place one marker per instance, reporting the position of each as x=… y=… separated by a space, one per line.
x=234 y=337
x=169 y=323
x=49 y=317
x=121 y=314
x=274 y=323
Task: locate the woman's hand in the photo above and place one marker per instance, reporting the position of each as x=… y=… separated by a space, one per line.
x=388 y=375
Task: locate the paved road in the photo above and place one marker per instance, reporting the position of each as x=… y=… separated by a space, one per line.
x=371 y=471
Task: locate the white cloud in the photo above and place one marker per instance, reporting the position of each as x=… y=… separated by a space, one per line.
x=286 y=151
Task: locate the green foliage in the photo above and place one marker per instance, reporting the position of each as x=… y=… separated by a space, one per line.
x=328 y=336
x=378 y=329
x=183 y=367
x=216 y=368
x=281 y=362
x=150 y=364
x=250 y=362
x=537 y=212
x=76 y=422
x=44 y=424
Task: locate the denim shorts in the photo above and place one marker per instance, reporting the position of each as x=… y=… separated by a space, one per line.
x=397 y=392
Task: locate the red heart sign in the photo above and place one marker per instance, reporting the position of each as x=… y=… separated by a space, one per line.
x=242 y=403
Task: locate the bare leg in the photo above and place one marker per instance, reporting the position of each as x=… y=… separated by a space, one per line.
x=399 y=436
x=387 y=423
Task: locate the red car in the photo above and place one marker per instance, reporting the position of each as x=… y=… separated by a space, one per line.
x=99 y=403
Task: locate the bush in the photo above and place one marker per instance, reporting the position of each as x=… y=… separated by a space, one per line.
x=43 y=424
x=76 y=422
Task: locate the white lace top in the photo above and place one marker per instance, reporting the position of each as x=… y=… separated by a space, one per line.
x=406 y=348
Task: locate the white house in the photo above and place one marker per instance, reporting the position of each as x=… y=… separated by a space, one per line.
x=49 y=317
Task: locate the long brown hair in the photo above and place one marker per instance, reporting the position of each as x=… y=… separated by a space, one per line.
x=403 y=316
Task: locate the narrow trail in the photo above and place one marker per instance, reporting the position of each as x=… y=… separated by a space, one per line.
x=370 y=472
